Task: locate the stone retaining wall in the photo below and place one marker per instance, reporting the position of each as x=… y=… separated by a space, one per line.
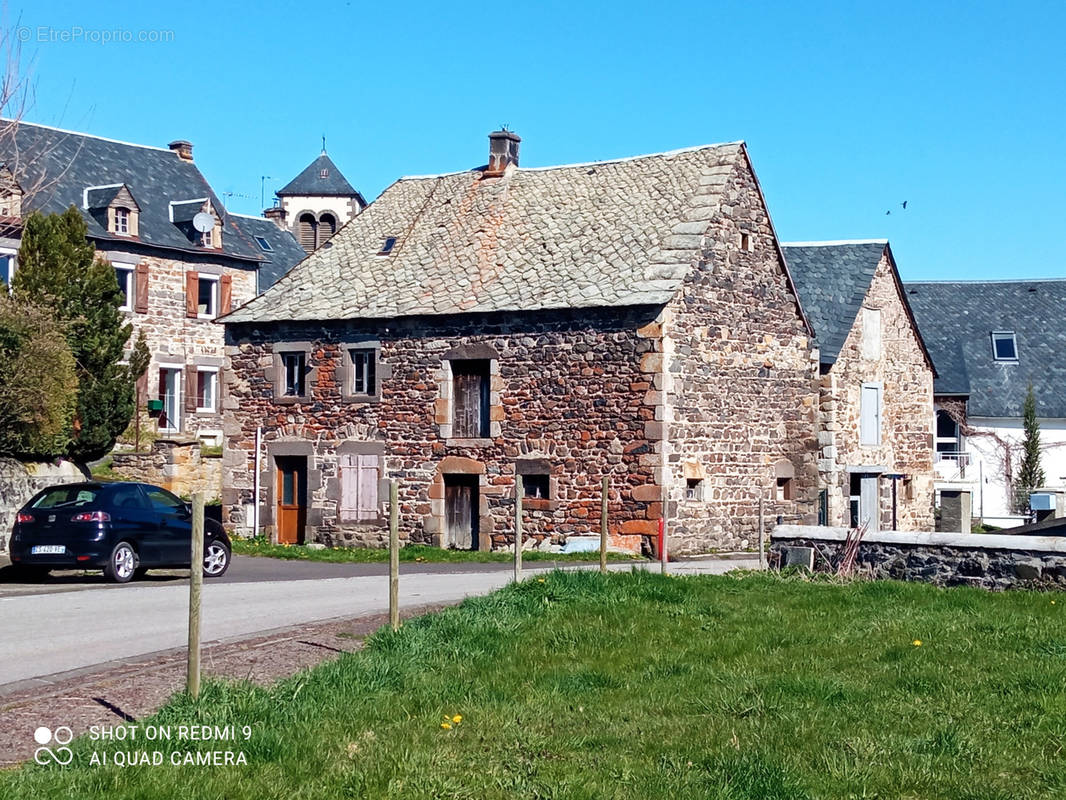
x=177 y=465
x=945 y=559
x=19 y=481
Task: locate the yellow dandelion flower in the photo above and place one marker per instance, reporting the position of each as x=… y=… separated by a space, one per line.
x=1052 y=602
x=446 y=725
x=917 y=642
x=541 y=580
x=457 y=718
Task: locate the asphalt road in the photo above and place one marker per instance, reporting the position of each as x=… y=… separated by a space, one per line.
x=46 y=632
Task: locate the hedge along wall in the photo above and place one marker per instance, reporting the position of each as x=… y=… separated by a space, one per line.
x=946 y=559
x=19 y=481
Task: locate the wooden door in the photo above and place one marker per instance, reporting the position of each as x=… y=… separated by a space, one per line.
x=460 y=511
x=869 y=507
x=470 y=381
x=291 y=499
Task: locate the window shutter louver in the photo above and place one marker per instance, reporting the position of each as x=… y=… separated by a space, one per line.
x=190 y=388
x=192 y=286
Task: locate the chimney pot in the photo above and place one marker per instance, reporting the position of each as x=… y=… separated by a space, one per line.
x=503 y=152
x=182 y=149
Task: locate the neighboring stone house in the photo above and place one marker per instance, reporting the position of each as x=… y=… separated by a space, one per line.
x=630 y=319
x=180 y=259
x=278 y=247
x=989 y=341
x=875 y=432
x=316 y=203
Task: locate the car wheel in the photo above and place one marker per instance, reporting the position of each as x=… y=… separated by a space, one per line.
x=216 y=558
x=122 y=564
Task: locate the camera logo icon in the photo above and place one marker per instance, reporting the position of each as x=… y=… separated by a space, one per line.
x=61 y=736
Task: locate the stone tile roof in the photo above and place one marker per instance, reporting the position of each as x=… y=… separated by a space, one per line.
x=610 y=233
x=832 y=279
x=63 y=164
x=322 y=178
x=284 y=253
x=957 y=318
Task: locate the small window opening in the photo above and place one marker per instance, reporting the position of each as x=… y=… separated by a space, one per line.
x=264 y=245
x=1004 y=346
x=386 y=248
x=323 y=173
x=206 y=301
x=694 y=489
x=745 y=242
x=784 y=488
x=536 y=487
x=363 y=377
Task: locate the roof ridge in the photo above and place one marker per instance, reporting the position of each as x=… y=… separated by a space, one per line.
x=992 y=280
x=834 y=242
x=619 y=160
x=86 y=135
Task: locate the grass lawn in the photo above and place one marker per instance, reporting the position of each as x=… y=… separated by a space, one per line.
x=644 y=686
x=261 y=546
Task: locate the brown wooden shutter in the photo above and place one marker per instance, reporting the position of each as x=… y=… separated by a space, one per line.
x=225 y=301
x=140 y=289
x=192 y=293
x=191 y=388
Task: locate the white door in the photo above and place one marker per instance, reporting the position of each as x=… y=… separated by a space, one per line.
x=868 y=505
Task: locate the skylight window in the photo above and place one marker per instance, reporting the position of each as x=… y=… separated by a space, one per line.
x=264 y=245
x=386 y=248
x=1004 y=346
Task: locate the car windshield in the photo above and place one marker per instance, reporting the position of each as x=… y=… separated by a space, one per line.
x=67 y=497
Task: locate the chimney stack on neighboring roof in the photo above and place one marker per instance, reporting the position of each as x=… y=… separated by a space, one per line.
x=182 y=149
x=275 y=214
x=503 y=151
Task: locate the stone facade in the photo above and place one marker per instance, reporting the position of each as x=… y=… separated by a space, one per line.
x=738 y=385
x=882 y=350
x=570 y=395
x=987 y=561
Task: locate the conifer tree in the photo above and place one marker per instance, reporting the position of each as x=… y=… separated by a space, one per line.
x=1030 y=475
x=58 y=268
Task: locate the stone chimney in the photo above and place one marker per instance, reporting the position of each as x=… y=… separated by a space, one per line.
x=275 y=214
x=503 y=151
x=182 y=149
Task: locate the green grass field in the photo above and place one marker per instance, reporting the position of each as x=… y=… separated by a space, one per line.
x=261 y=546
x=644 y=686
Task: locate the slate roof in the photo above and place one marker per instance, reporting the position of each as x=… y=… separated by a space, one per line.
x=957 y=318
x=63 y=164
x=284 y=253
x=311 y=182
x=609 y=233
x=832 y=279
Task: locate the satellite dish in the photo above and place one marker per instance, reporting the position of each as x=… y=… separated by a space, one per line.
x=203 y=222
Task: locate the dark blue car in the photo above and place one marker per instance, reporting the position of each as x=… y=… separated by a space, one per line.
x=124 y=528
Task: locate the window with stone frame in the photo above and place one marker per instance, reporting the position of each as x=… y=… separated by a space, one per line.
x=207 y=390
x=362 y=376
x=694 y=488
x=294 y=374
x=470 y=398
x=124 y=276
x=537 y=486
x=207 y=296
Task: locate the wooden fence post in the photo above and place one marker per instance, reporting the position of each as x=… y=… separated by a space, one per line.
x=196 y=580
x=603 y=526
x=394 y=555
x=519 y=491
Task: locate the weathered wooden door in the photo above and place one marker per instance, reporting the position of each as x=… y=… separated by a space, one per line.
x=460 y=511
x=470 y=383
x=292 y=498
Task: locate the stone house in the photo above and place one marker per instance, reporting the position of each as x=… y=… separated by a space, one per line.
x=876 y=387
x=181 y=260
x=989 y=341
x=631 y=319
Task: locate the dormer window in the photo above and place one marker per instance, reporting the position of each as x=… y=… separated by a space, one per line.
x=323 y=173
x=207 y=238
x=1004 y=346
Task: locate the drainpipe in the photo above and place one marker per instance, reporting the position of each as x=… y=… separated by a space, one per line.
x=255 y=477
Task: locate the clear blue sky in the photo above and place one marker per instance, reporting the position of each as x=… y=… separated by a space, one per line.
x=848 y=108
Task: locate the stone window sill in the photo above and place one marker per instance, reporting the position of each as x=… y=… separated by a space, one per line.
x=291 y=400
x=539 y=504
x=469 y=442
x=361 y=398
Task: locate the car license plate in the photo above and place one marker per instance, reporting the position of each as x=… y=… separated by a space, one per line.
x=48 y=549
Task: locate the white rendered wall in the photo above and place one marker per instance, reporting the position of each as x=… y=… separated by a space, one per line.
x=991 y=500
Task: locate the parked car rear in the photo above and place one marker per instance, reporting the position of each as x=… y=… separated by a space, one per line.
x=123 y=528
